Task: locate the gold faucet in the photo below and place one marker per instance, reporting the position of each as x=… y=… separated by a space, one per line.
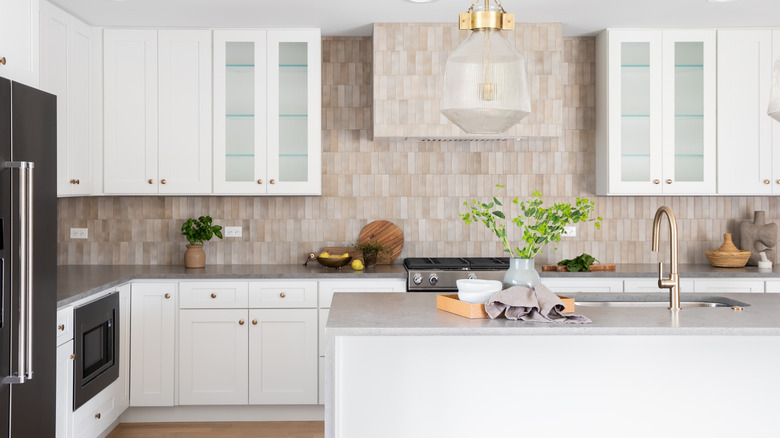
x=673 y=282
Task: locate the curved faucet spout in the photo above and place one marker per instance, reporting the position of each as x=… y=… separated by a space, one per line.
x=673 y=282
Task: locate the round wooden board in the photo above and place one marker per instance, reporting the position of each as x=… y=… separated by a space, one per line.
x=387 y=234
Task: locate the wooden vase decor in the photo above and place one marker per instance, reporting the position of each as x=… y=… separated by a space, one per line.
x=728 y=255
x=756 y=236
x=194 y=257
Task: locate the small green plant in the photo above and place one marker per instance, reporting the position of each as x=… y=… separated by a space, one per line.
x=200 y=230
x=580 y=263
x=539 y=225
x=372 y=248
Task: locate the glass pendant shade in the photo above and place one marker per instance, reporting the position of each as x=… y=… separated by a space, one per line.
x=485 y=84
x=774 y=98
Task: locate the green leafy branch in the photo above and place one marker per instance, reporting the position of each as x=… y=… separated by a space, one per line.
x=200 y=230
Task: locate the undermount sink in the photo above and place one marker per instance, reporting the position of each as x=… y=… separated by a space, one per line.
x=651 y=300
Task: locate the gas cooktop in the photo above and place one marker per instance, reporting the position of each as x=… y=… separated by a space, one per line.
x=440 y=274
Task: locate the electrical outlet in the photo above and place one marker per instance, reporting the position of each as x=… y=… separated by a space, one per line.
x=233 y=231
x=569 y=231
x=79 y=233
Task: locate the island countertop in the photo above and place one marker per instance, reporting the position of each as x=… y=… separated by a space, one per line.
x=415 y=314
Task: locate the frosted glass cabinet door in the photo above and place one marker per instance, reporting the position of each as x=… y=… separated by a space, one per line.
x=635 y=123
x=689 y=112
x=240 y=122
x=294 y=95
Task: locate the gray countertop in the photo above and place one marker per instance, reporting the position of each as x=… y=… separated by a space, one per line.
x=75 y=282
x=415 y=314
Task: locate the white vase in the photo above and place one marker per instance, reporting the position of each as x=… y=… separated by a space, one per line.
x=521 y=272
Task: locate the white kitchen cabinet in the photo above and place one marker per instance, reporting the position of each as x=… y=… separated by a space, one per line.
x=723 y=286
x=745 y=156
x=656 y=94
x=579 y=284
x=772 y=286
x=152 y=344
x=283 y=356
x=645 y=285
x=267 y=112
x=64 y=397
x=282 y=294
x=213 y=294
x=67 y=59
x=213 y=356
x=19 y=41
x=64 y=325
x=94 y=417
x=157 y=111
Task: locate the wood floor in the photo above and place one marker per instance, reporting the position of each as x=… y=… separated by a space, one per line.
x=276 y=429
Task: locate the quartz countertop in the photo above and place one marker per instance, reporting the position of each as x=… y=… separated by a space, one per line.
x=75 y=282
x=415 y=314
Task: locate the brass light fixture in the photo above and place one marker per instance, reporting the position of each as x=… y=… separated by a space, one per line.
x=485 y=79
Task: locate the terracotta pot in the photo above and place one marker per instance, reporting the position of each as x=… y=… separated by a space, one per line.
x=194 y=257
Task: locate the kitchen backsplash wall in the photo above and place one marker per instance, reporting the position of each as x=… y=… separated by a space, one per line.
x=420 y=186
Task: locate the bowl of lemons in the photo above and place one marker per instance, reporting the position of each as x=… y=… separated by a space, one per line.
x=333 y=261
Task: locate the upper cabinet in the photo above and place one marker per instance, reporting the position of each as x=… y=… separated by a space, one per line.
x=267 y=106
x=19 y=41
x=70 y=70
x=656 y=100
x=157 y=110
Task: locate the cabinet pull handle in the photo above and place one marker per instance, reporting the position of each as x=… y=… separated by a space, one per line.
x=213 y=295
x=240 y=322
x=2 y=60
x=167 y=296
x=151 y=181
x=97 y=415
x=282 y=294
x=73 y=356
x=766 y=181
x=668 y=181
x=656 y=181
x=259 y=181
x=163 y=181
x=273 y=181
x=254 y=322
x=61 y=327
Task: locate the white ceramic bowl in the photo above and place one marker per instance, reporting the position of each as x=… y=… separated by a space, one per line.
x=477 y=291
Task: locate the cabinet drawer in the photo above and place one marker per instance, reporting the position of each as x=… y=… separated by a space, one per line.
x=573 y=285
x=95 y=416
x=721 y=286
x=64 y=325
x=773 y=286
x=282 y=294
x=651 y=285
x=212 y=295
x=329 y=287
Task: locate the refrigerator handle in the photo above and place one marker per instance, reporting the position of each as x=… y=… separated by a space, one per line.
x=25 y=343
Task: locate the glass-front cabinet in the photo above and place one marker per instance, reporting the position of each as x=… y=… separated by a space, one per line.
x=267 y=109
x=657 y=92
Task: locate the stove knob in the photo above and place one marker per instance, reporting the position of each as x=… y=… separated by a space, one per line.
x=472 y=277
x=417 y=279
x=433 y=279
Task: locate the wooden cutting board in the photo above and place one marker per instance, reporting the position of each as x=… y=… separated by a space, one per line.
x=562 y=268
x=388 y=235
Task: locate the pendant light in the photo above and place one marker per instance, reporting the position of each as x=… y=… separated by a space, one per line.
x=774 y=98
x=485 y=79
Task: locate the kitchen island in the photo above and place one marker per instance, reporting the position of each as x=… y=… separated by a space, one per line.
x=398 y=367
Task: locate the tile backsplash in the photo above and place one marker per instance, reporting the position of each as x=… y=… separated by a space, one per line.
x=420 y=186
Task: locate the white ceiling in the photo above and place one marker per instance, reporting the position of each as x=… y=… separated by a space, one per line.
x=354 y=17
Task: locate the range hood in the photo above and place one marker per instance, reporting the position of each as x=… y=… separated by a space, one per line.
x=408 y=75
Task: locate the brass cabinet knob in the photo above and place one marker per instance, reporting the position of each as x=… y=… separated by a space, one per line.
x=61 y=327
x=282 y=294
x=73 y=356
x=97 y=415
x=163 y=181
x=2 y=60
x=778 y=181
x=73 y=181
x=259 y=181
x=273 y=181
x=240 y=322
x=151 y=181
x=167 y=296
x=668 y=181
x=656 y=181
x=78 y=182
x=213 y=295
x=254 y=322
x=766 y=181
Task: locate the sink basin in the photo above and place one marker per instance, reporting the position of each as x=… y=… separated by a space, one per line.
x=649 y=304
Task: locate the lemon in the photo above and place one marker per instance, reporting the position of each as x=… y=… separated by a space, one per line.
x=325 y=255
x=357 y=265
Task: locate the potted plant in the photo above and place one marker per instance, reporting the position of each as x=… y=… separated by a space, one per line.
x=198 y=231
x=538 y=225
x=371 y=250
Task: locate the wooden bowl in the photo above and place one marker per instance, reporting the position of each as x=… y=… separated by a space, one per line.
x=334 y=262
x=728 y=255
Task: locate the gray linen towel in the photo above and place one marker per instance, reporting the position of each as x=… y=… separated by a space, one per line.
x=539 y=304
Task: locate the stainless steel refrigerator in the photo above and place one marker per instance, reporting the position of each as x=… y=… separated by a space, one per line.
x=28 y=257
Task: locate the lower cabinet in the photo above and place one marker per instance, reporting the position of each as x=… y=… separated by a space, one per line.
x=572 y=285
x=64 y=425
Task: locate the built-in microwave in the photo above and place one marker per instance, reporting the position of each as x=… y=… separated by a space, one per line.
x=96 y=335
